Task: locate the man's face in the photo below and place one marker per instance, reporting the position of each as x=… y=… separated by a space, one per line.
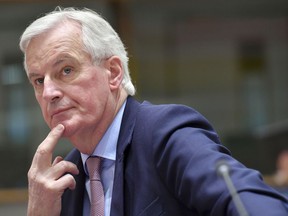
x=68 y=87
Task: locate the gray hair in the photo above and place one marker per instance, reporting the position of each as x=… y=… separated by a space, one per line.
x=99 y=38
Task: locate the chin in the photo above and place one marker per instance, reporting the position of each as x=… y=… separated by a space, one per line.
x=69 y=128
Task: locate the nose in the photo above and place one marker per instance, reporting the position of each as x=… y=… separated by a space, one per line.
x=51 y=91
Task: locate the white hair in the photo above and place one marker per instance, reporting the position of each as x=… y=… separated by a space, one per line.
x=99 y=38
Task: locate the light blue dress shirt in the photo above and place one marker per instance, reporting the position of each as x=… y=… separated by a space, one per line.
x=106 y=149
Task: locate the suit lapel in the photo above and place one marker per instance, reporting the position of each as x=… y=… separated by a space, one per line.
x=125 y=137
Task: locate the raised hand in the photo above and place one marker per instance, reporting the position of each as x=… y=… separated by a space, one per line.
x=47 y=179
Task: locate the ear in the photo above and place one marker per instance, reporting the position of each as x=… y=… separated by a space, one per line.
x=114 y=67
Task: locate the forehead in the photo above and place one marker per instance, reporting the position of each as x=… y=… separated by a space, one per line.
x=66 y=37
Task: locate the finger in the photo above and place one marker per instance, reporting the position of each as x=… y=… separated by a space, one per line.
x=51 y=140
x=43 y=155
x=66 y=181
x=71 y=180
x=57 y=160
x=61 y=168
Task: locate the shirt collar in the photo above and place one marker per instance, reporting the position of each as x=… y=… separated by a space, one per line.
x=106 y=148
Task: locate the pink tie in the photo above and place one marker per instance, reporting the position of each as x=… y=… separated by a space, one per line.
x=96 y=188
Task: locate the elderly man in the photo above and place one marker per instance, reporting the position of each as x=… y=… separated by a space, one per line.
x=151 y=159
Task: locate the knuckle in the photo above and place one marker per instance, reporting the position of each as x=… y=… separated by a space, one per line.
x=32 y=174
x=49 y=186
x=63 y=165
x=71 y=182
x=41 y=150
x=70 y=178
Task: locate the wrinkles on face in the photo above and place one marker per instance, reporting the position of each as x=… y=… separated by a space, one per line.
x=47 y=58
x=69 y=87
x=39 y=57
x=56 y=108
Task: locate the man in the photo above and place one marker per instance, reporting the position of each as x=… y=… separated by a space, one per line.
x=156 y=159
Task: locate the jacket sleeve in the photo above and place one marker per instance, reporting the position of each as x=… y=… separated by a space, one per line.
x=186 y=150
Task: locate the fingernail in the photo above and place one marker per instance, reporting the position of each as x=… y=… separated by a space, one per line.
x=60 y=127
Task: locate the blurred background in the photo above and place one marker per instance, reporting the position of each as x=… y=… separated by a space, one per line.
x=226 y=58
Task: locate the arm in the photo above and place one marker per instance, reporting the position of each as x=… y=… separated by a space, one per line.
x=186 y=153
x=48 y=180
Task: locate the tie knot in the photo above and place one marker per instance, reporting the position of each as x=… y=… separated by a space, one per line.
x=94 y=167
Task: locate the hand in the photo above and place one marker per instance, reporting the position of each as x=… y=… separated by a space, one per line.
x=47 y=179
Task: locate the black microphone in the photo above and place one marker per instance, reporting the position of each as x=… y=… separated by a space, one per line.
x=223 y=168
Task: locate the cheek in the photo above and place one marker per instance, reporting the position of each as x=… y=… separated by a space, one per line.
x=91 y=102
x=94 y=101
x=95 y=92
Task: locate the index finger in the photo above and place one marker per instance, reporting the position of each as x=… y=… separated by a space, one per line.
x=45 y=149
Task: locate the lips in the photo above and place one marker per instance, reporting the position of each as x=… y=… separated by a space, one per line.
x=57 y=112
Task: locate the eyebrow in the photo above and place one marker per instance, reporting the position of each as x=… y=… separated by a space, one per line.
x=61 y=59
x=31 y=75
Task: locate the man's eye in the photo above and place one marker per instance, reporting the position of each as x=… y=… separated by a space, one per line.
x=67 y=71
x=39 y=81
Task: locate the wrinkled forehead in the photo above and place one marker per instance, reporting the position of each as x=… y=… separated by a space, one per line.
x=61 y=39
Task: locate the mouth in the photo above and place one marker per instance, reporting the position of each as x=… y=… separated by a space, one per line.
x=59 y=112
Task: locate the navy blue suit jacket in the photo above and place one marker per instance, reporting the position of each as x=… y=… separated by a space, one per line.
x=165 y=165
